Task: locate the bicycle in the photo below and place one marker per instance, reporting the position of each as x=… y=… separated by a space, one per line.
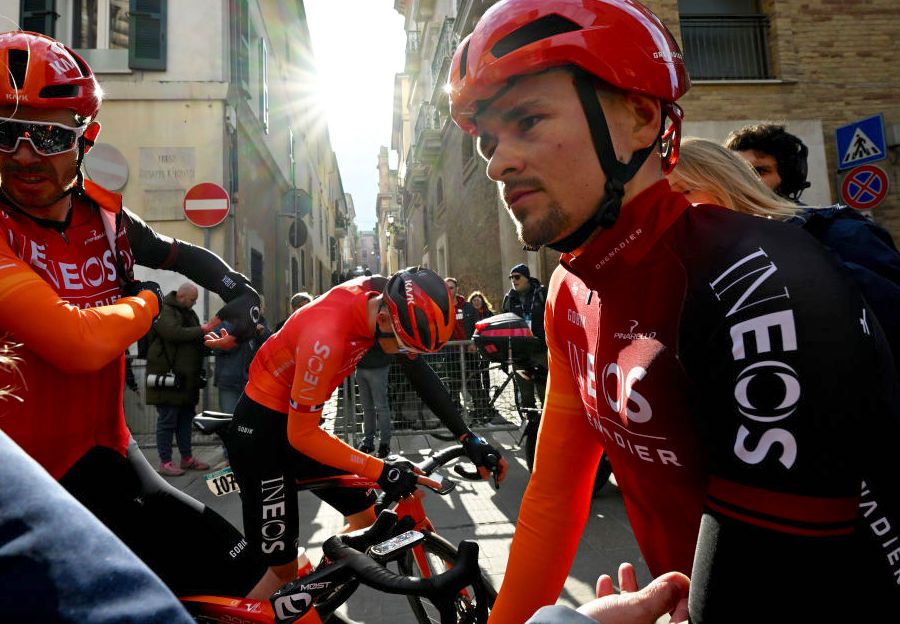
x=313 y=597
x=426 y=559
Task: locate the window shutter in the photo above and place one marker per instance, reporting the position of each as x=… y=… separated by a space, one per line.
x=39 y=16
x=147 y=40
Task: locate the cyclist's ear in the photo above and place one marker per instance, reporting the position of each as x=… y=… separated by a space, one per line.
x=90 y=135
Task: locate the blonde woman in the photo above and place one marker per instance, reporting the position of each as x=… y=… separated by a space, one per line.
x=708 y=173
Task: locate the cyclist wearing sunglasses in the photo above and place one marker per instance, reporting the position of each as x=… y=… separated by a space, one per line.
x=738 y=382
x=276 y=437
x=67 y=252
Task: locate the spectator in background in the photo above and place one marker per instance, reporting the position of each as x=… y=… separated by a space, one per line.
x=452 y=352
x=777 y=155
x=479 y=377
x=174 y=377
x=233 y=365
x=298 y=300
x=372 y=378
x=527 y=298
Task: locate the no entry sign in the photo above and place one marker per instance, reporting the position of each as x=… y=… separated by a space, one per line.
x=206 y=204
x=864 y=187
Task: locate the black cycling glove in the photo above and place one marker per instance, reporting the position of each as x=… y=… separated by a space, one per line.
x=131 y=289
x=242 y=313
x=397 y=479
x=480 y=452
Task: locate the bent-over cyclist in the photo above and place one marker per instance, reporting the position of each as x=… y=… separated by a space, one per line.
x=276 y=436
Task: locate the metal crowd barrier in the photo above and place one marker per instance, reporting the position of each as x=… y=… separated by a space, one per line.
x=463 y=372
x=468 y=377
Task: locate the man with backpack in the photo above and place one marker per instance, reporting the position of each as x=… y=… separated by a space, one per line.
x=526 y=298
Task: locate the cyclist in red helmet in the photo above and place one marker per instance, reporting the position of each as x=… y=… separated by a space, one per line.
x=738 y=382
x=276 y=435
x=67 y=250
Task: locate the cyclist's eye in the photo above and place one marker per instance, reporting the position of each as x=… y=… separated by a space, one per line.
x=527 y=123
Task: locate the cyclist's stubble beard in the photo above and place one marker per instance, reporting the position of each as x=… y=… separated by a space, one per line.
x=535 y=230
x=58 y=181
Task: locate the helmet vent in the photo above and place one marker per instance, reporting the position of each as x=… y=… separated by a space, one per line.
x=18 y=65
x=59 y=91
x=547 y=26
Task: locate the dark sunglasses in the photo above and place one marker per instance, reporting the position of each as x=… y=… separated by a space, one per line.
x=46 y=137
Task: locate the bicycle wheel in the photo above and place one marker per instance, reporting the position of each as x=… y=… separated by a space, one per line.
x=432 y=557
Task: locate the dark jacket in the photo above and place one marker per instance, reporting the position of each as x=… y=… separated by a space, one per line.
x=528 y=306
x=176 y=343
x=232 y=368
x=867 y=252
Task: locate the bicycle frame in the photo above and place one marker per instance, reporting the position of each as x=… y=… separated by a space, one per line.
x=251 y=611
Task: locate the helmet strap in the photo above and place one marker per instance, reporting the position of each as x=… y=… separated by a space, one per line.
x=617 y=173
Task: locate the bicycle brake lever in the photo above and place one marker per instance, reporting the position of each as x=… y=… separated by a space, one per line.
x=436 y=483
x=471 y=475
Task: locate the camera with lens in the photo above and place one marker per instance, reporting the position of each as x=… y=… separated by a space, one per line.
x=168 y=380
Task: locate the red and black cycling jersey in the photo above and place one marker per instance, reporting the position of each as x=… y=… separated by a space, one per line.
x=298 y=368
x=742 y=390
x=60 y=285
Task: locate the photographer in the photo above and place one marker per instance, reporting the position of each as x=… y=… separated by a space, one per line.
x=175 y=375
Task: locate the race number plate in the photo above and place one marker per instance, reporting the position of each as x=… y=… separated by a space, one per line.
x=222 y=482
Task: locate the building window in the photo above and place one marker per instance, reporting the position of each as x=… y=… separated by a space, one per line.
x=138 y=26
x=302 y=267
x=256 y=270
x=725 y=39
x=468 y=148
x=264 y=84
x=240 y=44
x=295 y=276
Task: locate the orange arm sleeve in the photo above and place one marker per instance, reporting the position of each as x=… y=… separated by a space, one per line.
x=319 y=360
x=305 y=435
x=73 y=340
x=556 y=503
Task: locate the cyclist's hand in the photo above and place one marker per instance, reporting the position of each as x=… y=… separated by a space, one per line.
x=131 y=289
x=485 y=457
x=666 y=594
x=221 y=340
x=242 y=313
x=398 y=479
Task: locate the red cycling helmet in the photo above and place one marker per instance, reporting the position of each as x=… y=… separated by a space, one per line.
x=620 y=42
x=43 y=73
x=422 y=314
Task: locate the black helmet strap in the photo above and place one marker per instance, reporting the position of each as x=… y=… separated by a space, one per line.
x=617 y=173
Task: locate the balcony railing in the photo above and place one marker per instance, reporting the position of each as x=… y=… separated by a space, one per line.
x=445 y=46
x=734 y=47
x=428 y=119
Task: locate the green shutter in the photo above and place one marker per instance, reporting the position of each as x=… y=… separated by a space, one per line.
x=147 y=40
x=39 y=16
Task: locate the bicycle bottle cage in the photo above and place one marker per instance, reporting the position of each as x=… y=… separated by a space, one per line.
x=505 y=336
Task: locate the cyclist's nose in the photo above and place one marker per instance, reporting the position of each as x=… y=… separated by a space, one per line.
x=25 y=151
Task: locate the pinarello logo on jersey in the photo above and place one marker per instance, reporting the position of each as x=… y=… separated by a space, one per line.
x=633 y=335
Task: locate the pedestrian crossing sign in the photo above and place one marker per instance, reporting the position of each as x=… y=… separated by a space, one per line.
x=861 y=142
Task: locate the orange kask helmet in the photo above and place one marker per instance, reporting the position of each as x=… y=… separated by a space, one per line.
x=40 y=72
x=421 y=311
x=619 y=42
